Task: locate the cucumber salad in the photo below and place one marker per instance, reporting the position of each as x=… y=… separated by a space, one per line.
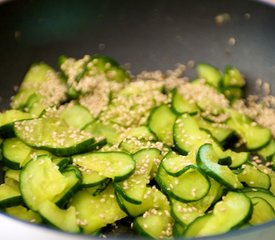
x=91 y=149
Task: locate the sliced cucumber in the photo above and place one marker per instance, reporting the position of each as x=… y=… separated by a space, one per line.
x=181 y=105
x=15 y=153
x=154 y=224
x=115 y=165
x=221 y=132
x=41 y=180
x=53 y=135
x=24 y=214
x=253 y=177
x=12 y=174
x=176 y=165
x=210 y=74
x=233 y=93
x=191 y=185
x=7 y=120
x=232 y=77
x=267 y=151
x=207 y=161
x=73 y=182
x=232 y=211
x=110 y=67
x=161 y=123
x=41 y=88
x=64 y=219
x=96 y=211
x=262 y=211
x=253 y=135
x=142 y=132
x=91 y=178
x=75 y=115
x=152 y=199
x=237 y=158
x=187 y=135
x=133 y=188
x=185 y=213
x=99 y=129
x=170 y=164
x=261 y=193
x=9 y=194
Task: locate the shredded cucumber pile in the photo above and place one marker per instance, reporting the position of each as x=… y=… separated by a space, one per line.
x=91 y=149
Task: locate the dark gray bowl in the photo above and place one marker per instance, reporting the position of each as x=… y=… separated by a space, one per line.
x=150 y=35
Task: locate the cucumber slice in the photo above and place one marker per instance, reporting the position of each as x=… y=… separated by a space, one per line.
x=99 y=129
x=232 y=211
x=142 y=132
x=232 y=77
x=40 y=180
x=115 y=165
x=181 y=105
x=110 y=67
x=237 y=158
x=132 y=145
x=261 y=193
x=64 y=219
x=15 y=153
x=267 y=151
x=9 y=194
x=161 y=123
x=61 y=162
x=73 y=183
x=91 y=178
x=12 y=174
x=262 y=211
x=233 y=93
x=253 y=177
x=253 y=135
x=53 y=135
x=185 y=213
x=152 y=199
x=41 y=88
x=207 y=161
x=210 y=74
x=191 y=185
x=178 y=230
x=97 y=211
x=133 y=188
x=175 y=164
x=187 y=135
x=75 y=115
x=24 y=214
x=221 y=132
x=7 y=120
x=194 y=228
x=155 y=224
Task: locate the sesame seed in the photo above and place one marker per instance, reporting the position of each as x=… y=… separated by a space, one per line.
x=232 y=41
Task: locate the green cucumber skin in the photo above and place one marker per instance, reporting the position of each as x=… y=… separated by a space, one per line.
x=7 y=130
x=245 y=218
x=120 y=202
x=171 y=194
x=11 y=164
x=11 y=202
x=67 y=196
x=140 y=230
x=84 y=146
x=209 y=172
x=119 y=189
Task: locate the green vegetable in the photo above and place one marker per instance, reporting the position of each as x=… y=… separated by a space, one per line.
x=88 y=146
